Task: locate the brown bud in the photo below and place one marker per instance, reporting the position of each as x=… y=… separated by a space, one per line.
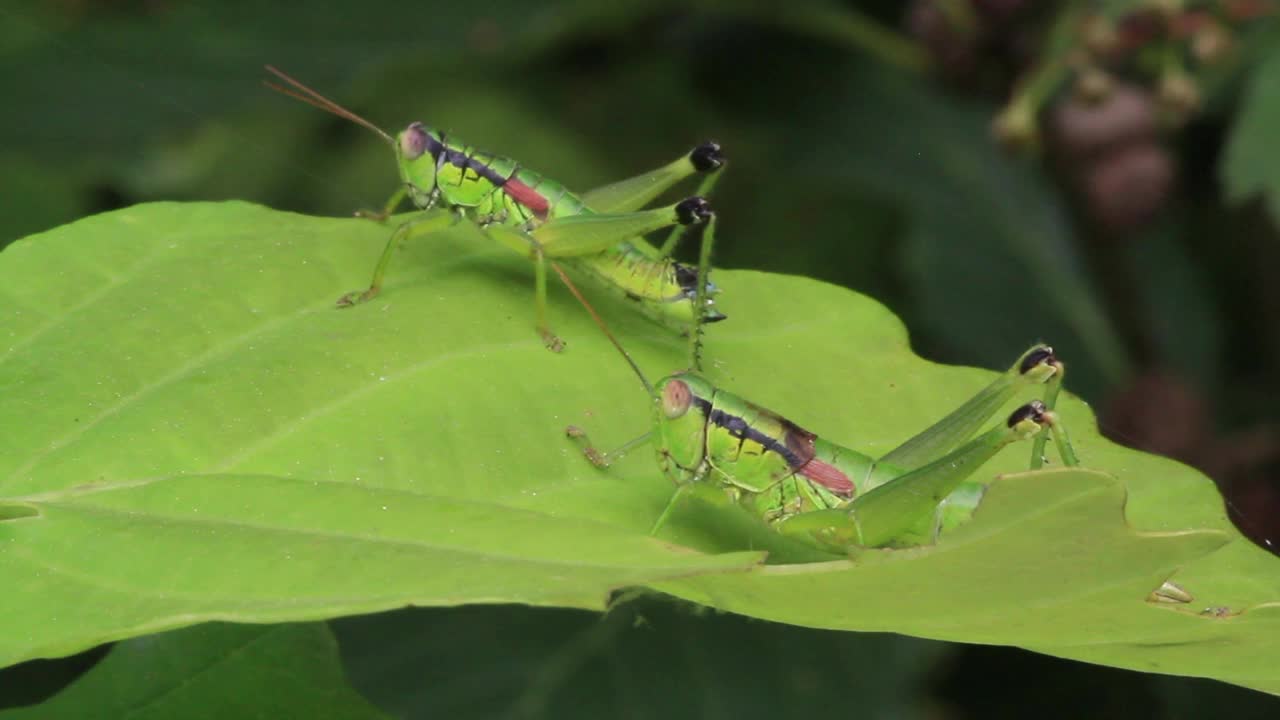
x=1084 y=129
x=1126 y=188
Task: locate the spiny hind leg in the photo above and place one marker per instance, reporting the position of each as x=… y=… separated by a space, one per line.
x=1037 y=366
x=703 y=310
x=914 y=507
x=588 y=234
x=634 y=193
x=580 y=235
x=907 y=510
x=708 y=184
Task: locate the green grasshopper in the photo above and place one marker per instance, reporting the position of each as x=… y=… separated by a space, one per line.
x=724 y=448
x=598 y=232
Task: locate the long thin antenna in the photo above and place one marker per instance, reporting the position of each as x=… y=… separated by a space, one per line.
x=315 y=99
x=605 y=328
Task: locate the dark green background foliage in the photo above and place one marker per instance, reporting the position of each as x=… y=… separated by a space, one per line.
x=850 y=163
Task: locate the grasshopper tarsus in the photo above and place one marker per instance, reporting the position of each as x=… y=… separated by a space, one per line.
x=356 y=297
x=552 y=341
x=377 y=216
x=589 y=451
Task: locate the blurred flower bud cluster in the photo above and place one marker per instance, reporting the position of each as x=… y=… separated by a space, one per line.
x=1099 y=84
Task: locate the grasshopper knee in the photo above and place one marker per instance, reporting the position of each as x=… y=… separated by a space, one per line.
x=1032 y=418
x=1040 y=363
x=707 y=157
x=1033 y=411
x=693 y=210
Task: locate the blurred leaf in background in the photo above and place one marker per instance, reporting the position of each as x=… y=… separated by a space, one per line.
x=214 y=671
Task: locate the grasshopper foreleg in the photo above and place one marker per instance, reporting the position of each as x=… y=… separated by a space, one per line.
x=603 y=459
x=380 y=216
x=423 y=224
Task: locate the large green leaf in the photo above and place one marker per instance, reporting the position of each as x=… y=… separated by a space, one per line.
x=192 y=432
x=214 y=671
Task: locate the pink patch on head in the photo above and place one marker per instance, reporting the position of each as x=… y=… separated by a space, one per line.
x=829 y=477
x=527 y=197
x=413 y=142
x=676 y=398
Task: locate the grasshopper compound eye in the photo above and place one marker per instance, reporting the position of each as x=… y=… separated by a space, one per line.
x=413 y=141
x=676 y=398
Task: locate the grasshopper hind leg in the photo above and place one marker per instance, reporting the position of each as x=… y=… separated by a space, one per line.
x=695 y=283
x=633 y=193
x=914 y=507
x=1037 y=366
x=917 y=504
x=707 y=159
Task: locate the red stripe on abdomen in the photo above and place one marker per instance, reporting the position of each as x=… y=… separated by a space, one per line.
x=527 y=197
x=829 y=477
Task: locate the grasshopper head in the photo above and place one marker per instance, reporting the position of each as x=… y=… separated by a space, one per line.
x=683 y=409
x=418 y=149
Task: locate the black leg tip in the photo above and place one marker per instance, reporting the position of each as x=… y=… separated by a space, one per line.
x=1033 y=411
x=707 y=157
x=1037 y=357
x=693 y=210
